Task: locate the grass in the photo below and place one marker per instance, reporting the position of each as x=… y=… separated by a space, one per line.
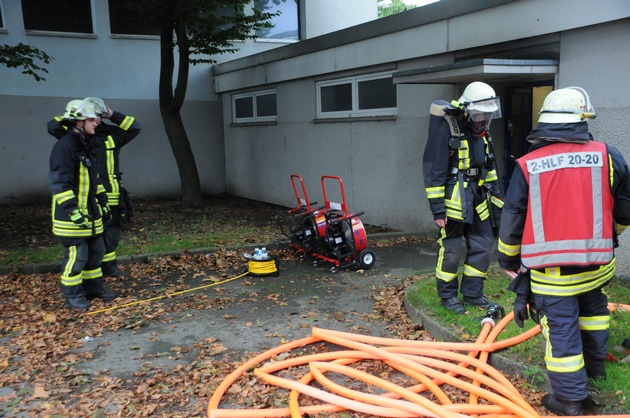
x=530 y=352
x=159 y=241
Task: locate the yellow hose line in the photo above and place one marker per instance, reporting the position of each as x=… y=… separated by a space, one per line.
x=170 y=295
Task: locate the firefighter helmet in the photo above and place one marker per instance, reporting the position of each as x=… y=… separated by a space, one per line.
x=567 y=105
x=480 y=105
x=71 y=110
x=92 y=107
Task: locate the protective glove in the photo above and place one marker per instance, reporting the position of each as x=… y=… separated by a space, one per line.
x=106 y=213
x=79 y=218
x=520 y=310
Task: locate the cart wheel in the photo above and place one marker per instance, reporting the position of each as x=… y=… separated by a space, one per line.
x=367 y=258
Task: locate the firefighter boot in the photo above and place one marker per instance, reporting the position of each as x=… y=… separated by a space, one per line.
x=562 y=406
x=595 y=368
x=95 y=288
x=453 y=304
x=75 y=297
x=110 y=269
x=481 y=301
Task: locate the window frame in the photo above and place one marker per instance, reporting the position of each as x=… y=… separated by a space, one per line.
x=254 y=118
x=355 y=111
x=126 y=35
x=273 y=9
x=91 y=34
x=3 y=28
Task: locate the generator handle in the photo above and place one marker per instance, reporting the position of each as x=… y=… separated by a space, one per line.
x=302 y=199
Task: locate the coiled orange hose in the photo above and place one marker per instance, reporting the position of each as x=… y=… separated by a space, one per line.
x=430 y=363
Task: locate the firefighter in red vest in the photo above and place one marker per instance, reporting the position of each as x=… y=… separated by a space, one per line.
x=568 y=200
x=461 y=183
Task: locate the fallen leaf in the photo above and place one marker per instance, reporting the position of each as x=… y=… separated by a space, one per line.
x=40 y=392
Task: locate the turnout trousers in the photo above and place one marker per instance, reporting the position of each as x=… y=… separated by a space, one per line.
x=111 y=238
x=81 y=260
x=479 y=239
x=575 y=332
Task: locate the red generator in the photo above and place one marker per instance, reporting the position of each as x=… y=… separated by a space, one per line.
x=304 y=221
x=329 y=233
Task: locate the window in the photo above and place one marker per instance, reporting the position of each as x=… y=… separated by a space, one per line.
x=285 y=25
x=126 y=18
x=74 y=16
x=373 y=95
x=1 y=17
x=254 y=107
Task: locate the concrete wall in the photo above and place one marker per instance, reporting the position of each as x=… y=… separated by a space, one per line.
x=596 y=58
x=124 y=71
x=380 y=160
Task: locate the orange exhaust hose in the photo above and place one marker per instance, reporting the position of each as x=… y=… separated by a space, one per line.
x=218 y=393
x=329 y=397
x=280 y=366
x=484 y=345
x=323 y=334
x=418 y=404
x=508 y=392
x=282 y=412
x=336 y=355
x=461 y=409
x=614 y=306
x=491 y=347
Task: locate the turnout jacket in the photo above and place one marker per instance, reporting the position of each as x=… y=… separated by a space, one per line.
x=111 y=138
x=562 y=214
x=453 y=191
x=74 y=183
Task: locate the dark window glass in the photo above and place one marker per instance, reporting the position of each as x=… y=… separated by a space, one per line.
x=285 y=25
x=244 y=107
x=1 y=19
x=126 y=17
x=58 y=16
x=266 y=105
x=377 y=94
x=336 y=98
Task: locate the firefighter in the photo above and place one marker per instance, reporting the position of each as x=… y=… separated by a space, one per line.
x=569 y=198
x=79 y=205
x=464 y=195
x=111 y=138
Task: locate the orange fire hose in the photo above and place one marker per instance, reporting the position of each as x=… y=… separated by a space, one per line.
x=430 y=363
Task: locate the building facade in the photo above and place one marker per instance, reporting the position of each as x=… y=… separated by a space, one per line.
x=350 y=101
x=100 y=52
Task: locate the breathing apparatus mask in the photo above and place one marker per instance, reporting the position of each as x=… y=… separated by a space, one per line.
x=481 y=113
x=480 y=105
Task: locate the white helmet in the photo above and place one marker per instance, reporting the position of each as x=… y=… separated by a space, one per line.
x=92 y=107
x=71 y=110
x=567 y=105
x=480 y=102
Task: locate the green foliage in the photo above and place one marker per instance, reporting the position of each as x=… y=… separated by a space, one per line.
x=396 y=6
x=202 y=28
x=24 y=56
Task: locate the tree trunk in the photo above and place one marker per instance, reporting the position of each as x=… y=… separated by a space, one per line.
x=171 y=101
x=184 y=157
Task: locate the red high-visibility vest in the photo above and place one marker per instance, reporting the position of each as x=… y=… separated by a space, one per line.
x=570 y=206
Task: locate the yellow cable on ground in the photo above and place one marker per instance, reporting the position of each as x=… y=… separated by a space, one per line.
x=263 y=267
x=181 y=292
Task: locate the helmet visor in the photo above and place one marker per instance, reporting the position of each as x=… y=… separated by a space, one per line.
x=92 y=107
x=484 y=110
